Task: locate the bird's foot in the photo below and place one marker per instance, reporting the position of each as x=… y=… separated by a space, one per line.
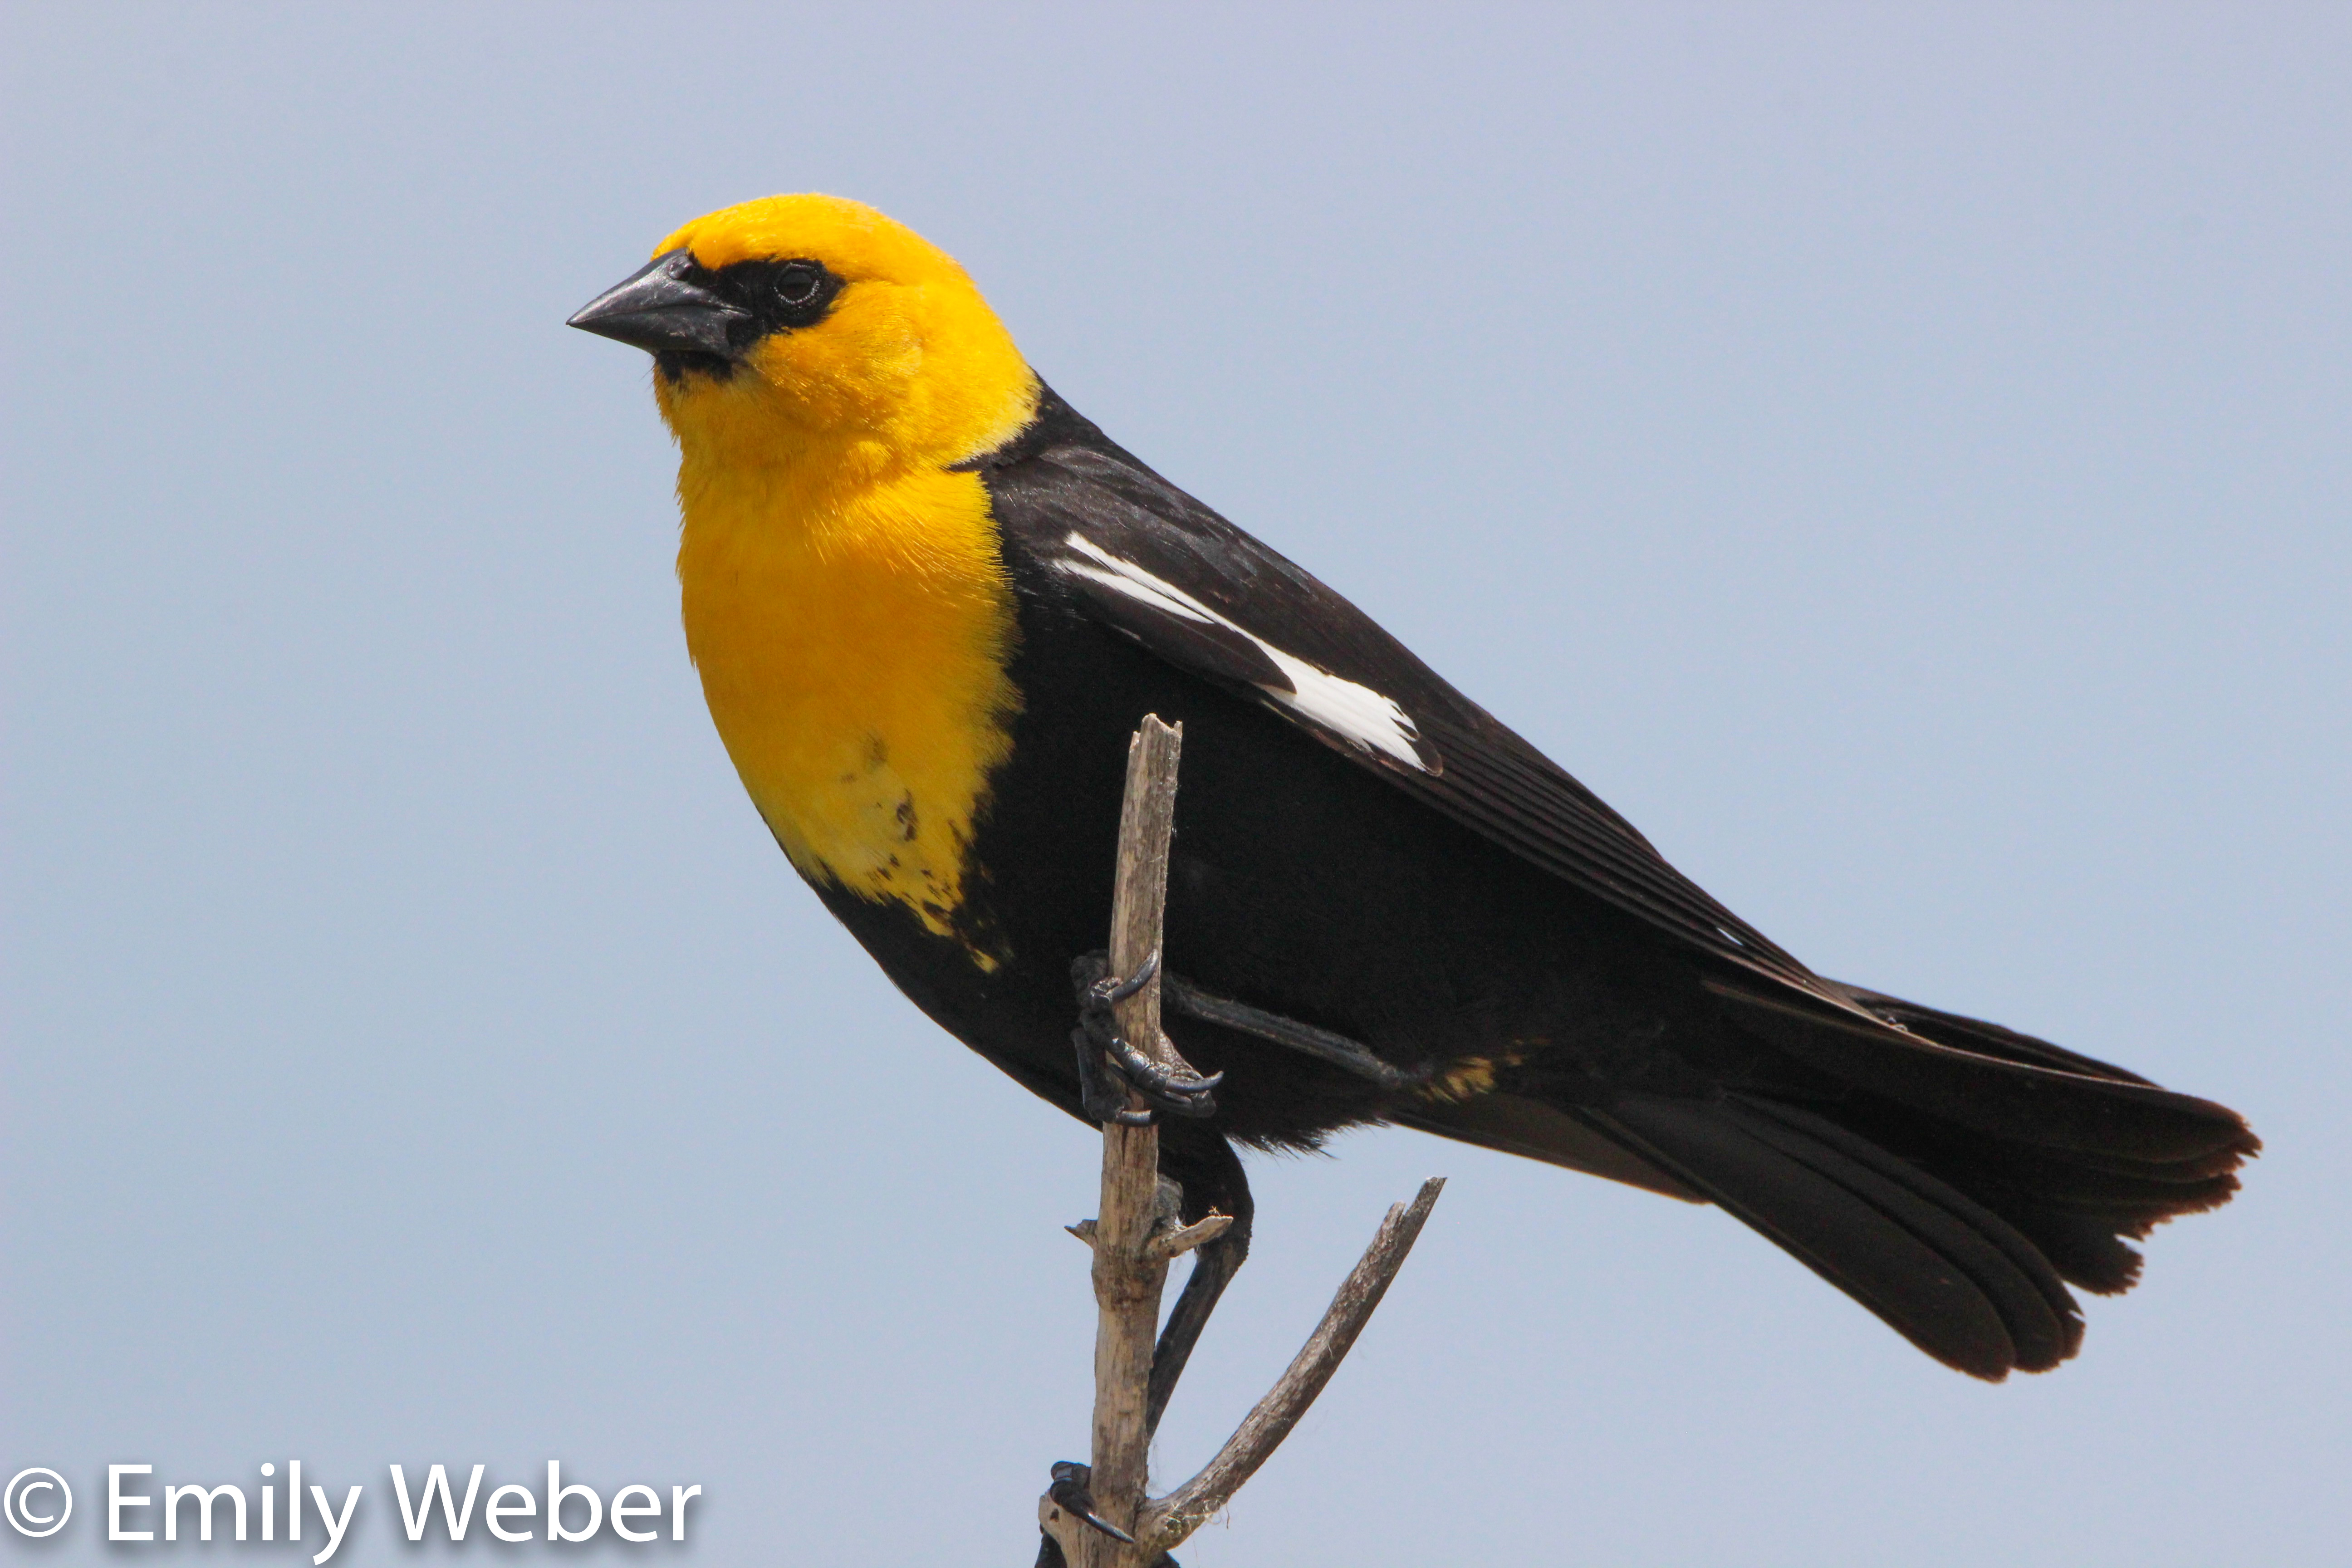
x=1109 y=1066
x=1069 y=1494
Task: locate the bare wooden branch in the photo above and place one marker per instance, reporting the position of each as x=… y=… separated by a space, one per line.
x=1147 y=823
x=1165 y=1523
x=1168 y=1244
x=1175 y=1243
x=1128 y=1280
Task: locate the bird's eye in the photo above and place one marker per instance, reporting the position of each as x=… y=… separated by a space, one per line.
x=798 y=282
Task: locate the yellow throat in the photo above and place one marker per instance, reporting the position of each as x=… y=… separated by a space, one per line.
x=846 y=599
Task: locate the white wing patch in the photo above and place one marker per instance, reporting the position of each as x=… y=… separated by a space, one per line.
x=1344 y=707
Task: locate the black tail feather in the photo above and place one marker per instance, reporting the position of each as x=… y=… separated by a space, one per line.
x=1953 y=1176
x=1973 y=1224
x=1984 y=1039
x=2078 y=1157
x=2104 y=1114
x=1942 y=1270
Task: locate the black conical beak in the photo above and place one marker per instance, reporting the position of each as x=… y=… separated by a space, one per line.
x=660 y=309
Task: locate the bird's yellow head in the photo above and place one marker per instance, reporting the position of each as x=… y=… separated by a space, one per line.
x=799 y=329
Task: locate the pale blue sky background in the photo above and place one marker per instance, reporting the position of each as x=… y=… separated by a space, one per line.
x=1900 y=456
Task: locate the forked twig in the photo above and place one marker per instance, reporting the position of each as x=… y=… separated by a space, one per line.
x=1167 y=1520
x=1130 y=1264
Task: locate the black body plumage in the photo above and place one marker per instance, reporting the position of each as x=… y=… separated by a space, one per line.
x=1361 y=850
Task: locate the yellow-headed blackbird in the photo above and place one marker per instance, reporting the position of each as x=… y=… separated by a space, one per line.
x=929 y=602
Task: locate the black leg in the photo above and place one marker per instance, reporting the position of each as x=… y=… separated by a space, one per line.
x=1210 y=1174
x=1183 y=999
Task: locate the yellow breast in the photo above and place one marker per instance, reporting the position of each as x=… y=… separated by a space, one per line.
x=852 y=646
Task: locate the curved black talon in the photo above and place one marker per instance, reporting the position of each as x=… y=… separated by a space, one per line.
x=1108 y=1065
x=1070 y=1495
x=1120 y=990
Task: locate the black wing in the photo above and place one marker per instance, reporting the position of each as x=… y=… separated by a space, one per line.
x=1152 y=563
